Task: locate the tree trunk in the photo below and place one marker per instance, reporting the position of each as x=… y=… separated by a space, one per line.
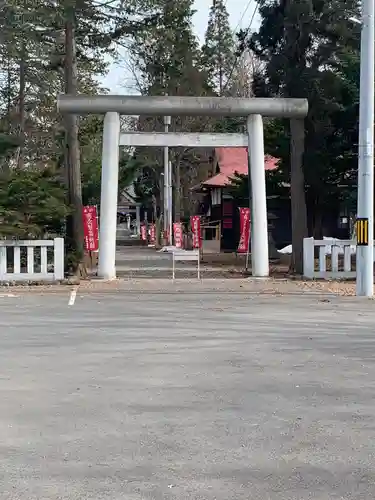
x=318 y=224
x=154 y=208
x=298 y=199
x=5 y=163
x=21 y=106
x=9 y=97
x=72 y=158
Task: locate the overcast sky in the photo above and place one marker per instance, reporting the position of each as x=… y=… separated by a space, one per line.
x=119 y=80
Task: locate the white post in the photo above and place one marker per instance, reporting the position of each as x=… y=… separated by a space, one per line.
x=138 y=219
x=322 y=258
x=308 y=258
x=109 y=194
x=58 y=258
x=259 y=222
x=347 y=258
x=365 y=278
x=335 y=249
x=3 y=262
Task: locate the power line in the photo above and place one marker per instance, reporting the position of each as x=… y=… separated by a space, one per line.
x=247 y=31
x=243 y=15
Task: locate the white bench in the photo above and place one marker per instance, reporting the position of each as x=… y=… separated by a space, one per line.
x=186 y=255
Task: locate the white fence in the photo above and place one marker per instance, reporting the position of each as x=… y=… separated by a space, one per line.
x=32 y=260
x=186 y=255
x=340 y=252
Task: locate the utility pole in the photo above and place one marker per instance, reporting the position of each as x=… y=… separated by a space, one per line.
x=170 y=204
x=177 y=190
x=365 y=209
x=167 y=122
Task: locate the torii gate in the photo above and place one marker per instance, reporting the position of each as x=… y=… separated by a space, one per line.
x=113 y=106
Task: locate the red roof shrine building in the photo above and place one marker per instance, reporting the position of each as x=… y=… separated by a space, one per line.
x=220 y=210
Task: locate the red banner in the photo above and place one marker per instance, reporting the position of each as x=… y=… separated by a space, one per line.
x=243 y=246
x=152 y=233
x=195 y=222
x=177 y=234
x=143 y=233
x=90 y=228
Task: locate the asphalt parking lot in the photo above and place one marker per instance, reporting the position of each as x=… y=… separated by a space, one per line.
x=186 y=396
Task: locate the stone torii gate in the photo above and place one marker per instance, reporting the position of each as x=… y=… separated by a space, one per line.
x=114 y=106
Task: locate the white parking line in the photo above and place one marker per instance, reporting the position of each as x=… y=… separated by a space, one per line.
x=73 y=295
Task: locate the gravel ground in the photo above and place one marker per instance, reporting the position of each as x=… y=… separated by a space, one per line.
x=144 y=285
x=145 y=270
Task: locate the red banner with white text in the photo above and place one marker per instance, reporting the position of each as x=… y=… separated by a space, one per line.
x=195 y=223
x=152 y=233
x=177 y=235
x=143 y=232
x=243 y=246
x=90 y=228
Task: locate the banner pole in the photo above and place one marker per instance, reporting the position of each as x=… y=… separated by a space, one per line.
x=247 y=255
x=245 y=234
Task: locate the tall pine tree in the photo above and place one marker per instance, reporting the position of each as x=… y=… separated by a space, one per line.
x=218 y=51
x=166 y=53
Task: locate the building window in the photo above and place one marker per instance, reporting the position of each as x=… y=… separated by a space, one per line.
x=216 y=197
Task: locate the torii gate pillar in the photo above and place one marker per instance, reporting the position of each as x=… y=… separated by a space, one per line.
x=259 y=220
x=109 y=197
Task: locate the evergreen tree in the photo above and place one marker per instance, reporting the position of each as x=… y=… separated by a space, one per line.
x=306 y=46
x=32 y=49
x=32 y=204
x=165 y=54
x=167 y=59
x=218 y=51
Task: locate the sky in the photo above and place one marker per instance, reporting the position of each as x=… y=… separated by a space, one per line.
x=240 y=12
x=119 y=80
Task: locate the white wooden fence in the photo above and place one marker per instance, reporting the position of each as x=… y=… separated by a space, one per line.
x=32 y=260
x=340 y=253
